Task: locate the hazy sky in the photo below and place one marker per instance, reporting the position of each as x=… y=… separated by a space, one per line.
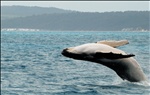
x=87 y=6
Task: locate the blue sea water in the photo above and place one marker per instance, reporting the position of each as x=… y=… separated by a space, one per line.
x=32 y=64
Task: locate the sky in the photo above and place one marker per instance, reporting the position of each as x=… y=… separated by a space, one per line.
x=86 y=6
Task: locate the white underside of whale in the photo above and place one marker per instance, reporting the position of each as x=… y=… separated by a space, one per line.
x=93 y=48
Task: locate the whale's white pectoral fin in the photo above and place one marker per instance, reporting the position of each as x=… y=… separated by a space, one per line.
x=112 y=55
x=114 y=43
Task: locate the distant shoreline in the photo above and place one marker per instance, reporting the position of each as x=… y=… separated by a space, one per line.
x=39 y=30
x=55 y=19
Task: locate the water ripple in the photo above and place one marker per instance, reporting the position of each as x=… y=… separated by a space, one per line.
x=32 y=64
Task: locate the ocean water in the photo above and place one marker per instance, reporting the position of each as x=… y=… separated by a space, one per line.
x=32 y=64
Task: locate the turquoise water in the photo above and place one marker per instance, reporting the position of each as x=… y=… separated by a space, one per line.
x=32 y=64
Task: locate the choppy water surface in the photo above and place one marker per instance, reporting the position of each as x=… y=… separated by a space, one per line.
x=32 y=64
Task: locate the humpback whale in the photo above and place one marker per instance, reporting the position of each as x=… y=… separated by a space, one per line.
x=106 y=53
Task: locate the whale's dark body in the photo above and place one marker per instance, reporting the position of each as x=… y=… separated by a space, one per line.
x=105 y=53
